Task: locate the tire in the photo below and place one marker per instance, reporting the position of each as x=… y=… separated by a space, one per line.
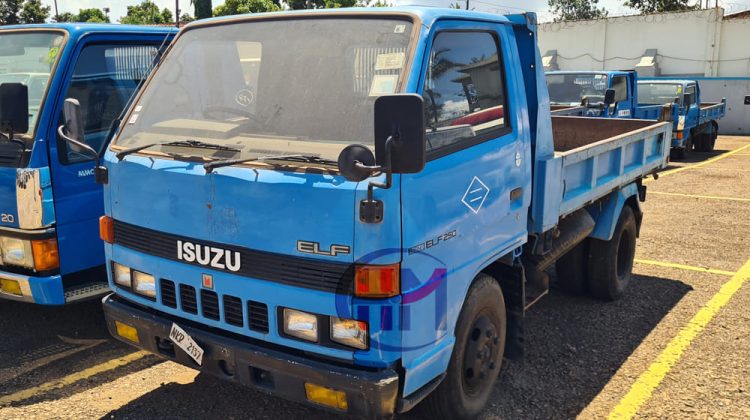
x=611 y=262
x=572 y=270
x=679 y=153
x=480 y=344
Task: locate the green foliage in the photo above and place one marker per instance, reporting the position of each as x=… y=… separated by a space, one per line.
x=576 y=9
x=238 y=7
x=92 y=15
x=34 y=12
x=203 y=9
x=66 y=17
x=331 y=4
x=147 y=13
x=9 y=12
x=658 y=6
x=186 y=18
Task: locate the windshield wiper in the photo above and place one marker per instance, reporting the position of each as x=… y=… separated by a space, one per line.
x=210 y=166
x=180 y=143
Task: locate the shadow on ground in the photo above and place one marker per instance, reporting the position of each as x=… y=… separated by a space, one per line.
x=40 y=344
x=574 y=346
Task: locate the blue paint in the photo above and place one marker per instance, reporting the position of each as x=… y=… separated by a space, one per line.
x=468 y=196
x=71 y=201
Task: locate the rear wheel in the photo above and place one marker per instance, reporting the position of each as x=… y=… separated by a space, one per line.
x=477 y=355
x=572 y=270
x=611 y=262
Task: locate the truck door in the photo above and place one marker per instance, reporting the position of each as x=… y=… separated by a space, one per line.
x=692 y=104
x=468 y=204
x=623 y=103
x=102 y=76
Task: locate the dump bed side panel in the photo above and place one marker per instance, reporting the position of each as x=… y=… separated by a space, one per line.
x=712 y=111
x=593 y=171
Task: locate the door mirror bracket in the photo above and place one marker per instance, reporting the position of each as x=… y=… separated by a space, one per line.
x=73 y=134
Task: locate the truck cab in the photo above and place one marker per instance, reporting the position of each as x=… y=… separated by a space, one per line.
x=49 y=205
x=350 y=223
x=696 y=125
x=589 y=88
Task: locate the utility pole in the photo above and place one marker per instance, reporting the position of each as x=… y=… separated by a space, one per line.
x=467 y=4
x=177 y=13
x=57 y=14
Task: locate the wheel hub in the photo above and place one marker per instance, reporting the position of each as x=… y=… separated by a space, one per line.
x=482 y=348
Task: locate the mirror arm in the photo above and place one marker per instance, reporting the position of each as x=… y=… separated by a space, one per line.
x=100 y=172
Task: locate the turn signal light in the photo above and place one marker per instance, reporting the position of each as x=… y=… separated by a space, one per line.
x=678 y=134
x=377 y=281
x=11 y=287
x=107 y=229
x=326 y=396
x=46 y=255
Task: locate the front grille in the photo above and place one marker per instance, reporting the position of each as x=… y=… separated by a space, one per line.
x=257 y=315
x=188 y=301
x=295 y=271
x=210 y=304
x=233 y=311
x=168 y=296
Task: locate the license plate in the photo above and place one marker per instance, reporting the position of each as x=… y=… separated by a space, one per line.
x=186 y=343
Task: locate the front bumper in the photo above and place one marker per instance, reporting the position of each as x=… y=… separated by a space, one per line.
x=371 y=394
x=44 y=290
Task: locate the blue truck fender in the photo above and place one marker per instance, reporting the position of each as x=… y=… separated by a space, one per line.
x=606 y=212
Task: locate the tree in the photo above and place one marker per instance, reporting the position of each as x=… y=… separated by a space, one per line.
x=147 y=13
x=92 y=15
x=203 y=8
x=186 y=18
x=576 y=9
x=238 y=7
x=66 y=17
x=34 y=12
x=9 y=12
x=659 y=6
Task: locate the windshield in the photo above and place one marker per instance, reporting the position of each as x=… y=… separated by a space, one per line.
x=28 y=58
x=303 y=86
x=659 y=93
x=570 y=89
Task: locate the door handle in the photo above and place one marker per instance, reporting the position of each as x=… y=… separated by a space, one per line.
x=516 y=193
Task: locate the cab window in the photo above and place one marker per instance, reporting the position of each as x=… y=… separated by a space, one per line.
x=104 y=78
x=464 y=92
x=620 y=85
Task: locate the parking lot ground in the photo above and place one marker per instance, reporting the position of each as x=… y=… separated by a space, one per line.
x=585 y=358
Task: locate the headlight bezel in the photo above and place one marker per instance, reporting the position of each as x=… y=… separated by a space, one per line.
x=287 y=313
x=149 y=293
x=358 y=342
x=27 y=261
x=126 y=277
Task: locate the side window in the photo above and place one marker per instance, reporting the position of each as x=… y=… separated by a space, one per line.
x=104 y=78
x=690 y=100
x=463 y=91
x=620 y=85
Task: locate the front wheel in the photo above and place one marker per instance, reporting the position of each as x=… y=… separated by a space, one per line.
x=477 y=355
x=611 y=262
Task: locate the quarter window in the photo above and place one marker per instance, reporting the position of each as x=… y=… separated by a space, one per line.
x=104 y=78
x=463 y=93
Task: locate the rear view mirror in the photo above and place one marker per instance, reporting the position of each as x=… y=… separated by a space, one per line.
x=400 y=133
x=609 y=96
x=74 y=126
x=14 y=108
x=747 y=100
x=687 y=99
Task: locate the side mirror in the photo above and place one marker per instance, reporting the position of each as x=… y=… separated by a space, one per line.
x=73 y=134
x=747 y=100
x=609 y=97
x=400 y=133
x=687 y=99
x=14 y=108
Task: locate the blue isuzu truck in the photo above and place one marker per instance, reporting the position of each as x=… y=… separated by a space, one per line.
x=50 y=251
x=360 y=221
x=696 y=125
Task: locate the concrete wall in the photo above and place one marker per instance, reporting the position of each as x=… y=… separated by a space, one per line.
x=696 y=44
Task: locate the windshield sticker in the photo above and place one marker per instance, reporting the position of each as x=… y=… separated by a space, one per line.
x=399 y=29
x=599 y=76
x=383 y=84
x=244 y=98
x=679 y=89
x=138 y=108
x=133 y=119
x=394 y=61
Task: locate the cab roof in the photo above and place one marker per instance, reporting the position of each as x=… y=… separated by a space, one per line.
x=428 y=15
x=667 y=81
x=77 y=30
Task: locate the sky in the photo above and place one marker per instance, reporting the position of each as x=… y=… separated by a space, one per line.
x=118 y=7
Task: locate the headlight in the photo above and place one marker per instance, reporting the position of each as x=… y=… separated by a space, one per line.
x=144 y=284
x=121 y=274
x=16 y=252
x=301 y=324
x=349 y=332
